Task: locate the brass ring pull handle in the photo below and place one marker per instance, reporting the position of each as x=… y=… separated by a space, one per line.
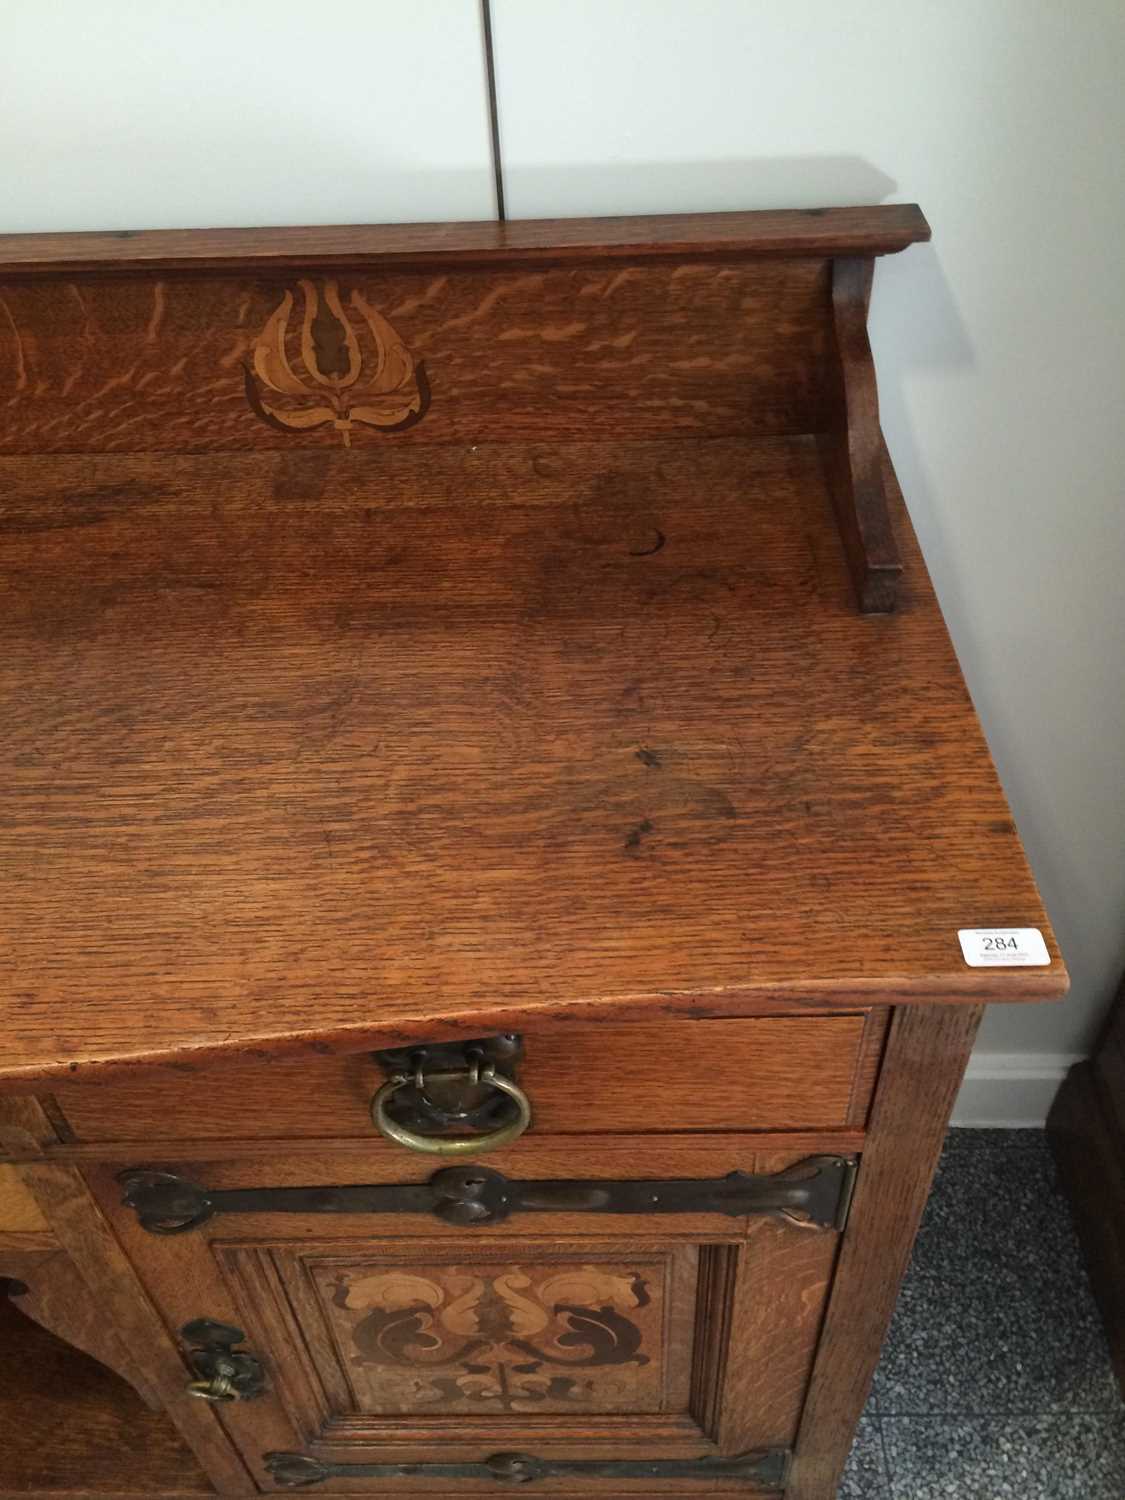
x=218 y=1388
x=443 y=1145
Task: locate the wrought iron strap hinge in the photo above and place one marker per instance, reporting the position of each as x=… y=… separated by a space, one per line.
x=813 y=1194
x=767 y=1470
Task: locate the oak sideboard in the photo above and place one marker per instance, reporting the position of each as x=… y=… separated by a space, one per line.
x=500 y=869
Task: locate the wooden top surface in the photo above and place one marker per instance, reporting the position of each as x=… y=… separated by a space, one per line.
x=446 y=737
x=877 y=230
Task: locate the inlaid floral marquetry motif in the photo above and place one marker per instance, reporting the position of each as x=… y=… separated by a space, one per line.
x=500 y=1337
x=323 y=360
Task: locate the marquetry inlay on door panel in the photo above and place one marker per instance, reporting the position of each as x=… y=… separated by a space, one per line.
x=504 y=1335
x=504 y=1332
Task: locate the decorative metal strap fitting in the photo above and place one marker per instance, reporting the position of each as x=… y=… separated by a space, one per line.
x=813 y=1194
x=766 y=1470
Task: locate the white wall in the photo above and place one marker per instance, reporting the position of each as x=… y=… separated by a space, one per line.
x=157 y=114
x=1000 y=347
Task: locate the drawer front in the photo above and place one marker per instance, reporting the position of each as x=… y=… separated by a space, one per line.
x=766 y=1073
x=579 y=1339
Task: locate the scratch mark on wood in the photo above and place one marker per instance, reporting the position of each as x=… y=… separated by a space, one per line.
x=21 y=362
x=157 y=316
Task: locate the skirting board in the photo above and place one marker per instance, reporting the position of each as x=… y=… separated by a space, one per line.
x=1011 y=1089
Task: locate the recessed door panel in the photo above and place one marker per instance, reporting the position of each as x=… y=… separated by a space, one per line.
x=513 y=1332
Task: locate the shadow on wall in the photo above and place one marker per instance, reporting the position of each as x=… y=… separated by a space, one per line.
x=647 y=187
x=916 y=325
x=98 y=182
x=915 y=322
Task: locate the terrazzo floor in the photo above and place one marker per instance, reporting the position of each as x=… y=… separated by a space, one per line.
x=995 y=1380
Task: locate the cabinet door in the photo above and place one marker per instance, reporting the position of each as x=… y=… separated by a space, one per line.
x=611 y=1353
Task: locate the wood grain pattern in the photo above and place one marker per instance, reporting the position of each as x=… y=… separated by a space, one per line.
x=872 y=1047
x=55 y=1295
x=85 y=1236
x=282 y=777
x=776 y=1304
x=383 y=1155
x=177 y=365
x=927 y=1051
x=747 y=1075
x=74 y=1431
x=26 y=1129
x=19 y=1263
x=19 y=1212
x=856 y=445
x=873 y=230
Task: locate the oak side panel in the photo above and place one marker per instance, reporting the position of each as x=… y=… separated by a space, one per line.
x=19 y=1212
x=19 y=1263
x=26 y=1129
x=927 y=1051
x=53 y=1293
x=84 y=1234
x=72 y=1429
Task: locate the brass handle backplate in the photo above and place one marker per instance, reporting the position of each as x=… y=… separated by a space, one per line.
x=222 y=1372
x=452 y=1098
